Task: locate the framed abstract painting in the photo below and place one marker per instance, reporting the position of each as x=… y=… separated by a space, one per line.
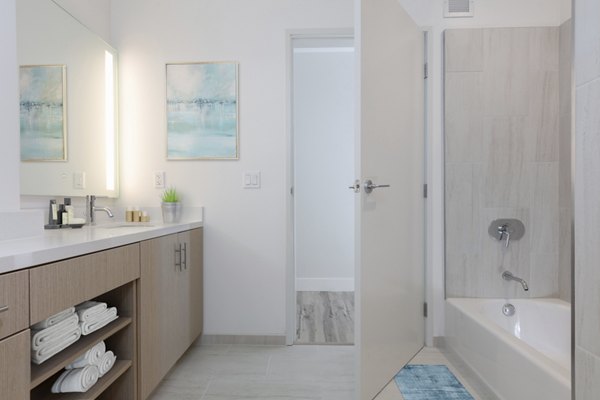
x=202 y=111
x=43 y=112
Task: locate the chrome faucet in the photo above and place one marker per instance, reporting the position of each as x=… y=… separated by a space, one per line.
x=502 y=232
x=90 y=206
x=508 y=276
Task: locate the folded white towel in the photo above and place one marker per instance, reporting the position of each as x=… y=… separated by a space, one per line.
x=52 y=348
x=41 y=338
x=92 y=356
x=106 y=363
x=54 y=319
x=99 y=321
x=76 y=380
x=89 y=310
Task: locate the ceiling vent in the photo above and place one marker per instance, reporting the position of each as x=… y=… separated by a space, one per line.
x=458 y=8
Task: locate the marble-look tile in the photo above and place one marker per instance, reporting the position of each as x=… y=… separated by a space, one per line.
x=587 y=215
x=565 y=193
x=543 y=280
x=463 y=50
x=587 y=371
x=544 y=48
x=232 y=389
x=463 y=222
x=462 y=276
x=463 y=129
x=506 y=178
x=587 y=43
x=171 y=389
x=390 y=392
x=505 y=92
x=544 y=221
x=543 y=117
x=565 y=270
x=506 y=49
x=565 y=68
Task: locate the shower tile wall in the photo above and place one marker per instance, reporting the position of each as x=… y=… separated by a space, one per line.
x=502 y=127
x=587 y=199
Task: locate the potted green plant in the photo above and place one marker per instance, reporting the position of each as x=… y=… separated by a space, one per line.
x=171 y=206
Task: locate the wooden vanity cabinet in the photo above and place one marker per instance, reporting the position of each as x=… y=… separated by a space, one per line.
x=170 y=299
x=14 y=366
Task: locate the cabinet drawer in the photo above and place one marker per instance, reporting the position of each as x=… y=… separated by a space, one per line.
x=57 y=286
x=14 y=301
x=15 y=366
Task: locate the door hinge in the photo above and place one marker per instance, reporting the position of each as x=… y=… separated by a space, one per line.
x=292 y=190
x=425 y=70
x=425 y=309
x=425 y=190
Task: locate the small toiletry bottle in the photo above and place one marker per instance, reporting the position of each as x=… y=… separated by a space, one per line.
x=136 y=214
x=52 y=216
x=145 y=216
x=128 y=214
x=61 y=211
x=70 y=211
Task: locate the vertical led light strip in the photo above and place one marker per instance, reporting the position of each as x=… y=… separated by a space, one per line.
x=109 y=112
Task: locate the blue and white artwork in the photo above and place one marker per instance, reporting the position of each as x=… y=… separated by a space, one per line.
x=202 y=111
x=43 y=112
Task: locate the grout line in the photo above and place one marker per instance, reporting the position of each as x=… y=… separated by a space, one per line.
x=268 y=366
x=207 y=386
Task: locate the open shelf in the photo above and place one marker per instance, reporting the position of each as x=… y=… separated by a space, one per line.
x=120 y=367
x=39 y=373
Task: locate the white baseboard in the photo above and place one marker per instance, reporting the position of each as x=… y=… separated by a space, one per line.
x=324 y=284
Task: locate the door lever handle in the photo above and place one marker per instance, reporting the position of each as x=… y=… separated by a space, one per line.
x=369 y=186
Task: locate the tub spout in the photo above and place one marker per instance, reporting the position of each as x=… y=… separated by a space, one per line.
x=508 y=276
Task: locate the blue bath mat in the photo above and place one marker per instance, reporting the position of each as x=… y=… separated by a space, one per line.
x=430 y=382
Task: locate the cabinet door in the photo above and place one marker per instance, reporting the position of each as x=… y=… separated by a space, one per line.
x=14 y=366
x=191 y=284
x=159 y=311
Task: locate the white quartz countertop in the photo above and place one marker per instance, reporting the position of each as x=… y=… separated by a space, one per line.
x=58 y=244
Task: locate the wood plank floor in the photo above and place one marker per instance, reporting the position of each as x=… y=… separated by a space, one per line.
x=325 y=318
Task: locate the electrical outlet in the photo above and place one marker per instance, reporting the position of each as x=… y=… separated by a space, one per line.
x=79 y=180
x=159 y=179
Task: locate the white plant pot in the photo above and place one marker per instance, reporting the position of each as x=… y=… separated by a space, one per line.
x=171 y=212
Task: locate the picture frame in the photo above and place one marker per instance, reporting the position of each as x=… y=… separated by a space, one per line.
x=202 y=109
x=43 y=112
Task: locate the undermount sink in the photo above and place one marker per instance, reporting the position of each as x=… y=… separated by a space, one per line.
x=127 y=225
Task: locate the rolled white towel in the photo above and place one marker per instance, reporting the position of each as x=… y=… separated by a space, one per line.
x=44 y=337
x=90 y=309
x=76 y=380
x=42 y=354
x=54 y=319
x=99 y=321
x=92 y=356
x=106 y=363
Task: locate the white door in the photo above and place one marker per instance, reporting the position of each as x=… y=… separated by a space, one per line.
x=390 y=240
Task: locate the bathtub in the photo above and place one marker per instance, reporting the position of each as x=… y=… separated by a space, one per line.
x=522 y=357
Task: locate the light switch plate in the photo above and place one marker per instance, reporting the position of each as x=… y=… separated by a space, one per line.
x=79 y=180
x=251 y=180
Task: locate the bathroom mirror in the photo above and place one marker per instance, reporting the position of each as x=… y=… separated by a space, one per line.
x=49 y=36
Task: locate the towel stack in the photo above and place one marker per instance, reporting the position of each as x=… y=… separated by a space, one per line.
x=54 y=334
x=83 y=373
x=94 y=315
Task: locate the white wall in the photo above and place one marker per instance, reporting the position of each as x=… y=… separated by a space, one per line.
x=488 y=13
x=9 y=107
x=95 y=14
x=245 y=232
x=323 y=118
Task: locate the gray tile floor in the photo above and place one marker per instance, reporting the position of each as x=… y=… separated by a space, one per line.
x=231 y=372
x=325 y=317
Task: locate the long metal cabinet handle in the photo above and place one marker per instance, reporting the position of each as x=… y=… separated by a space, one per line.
x=184 y=262
x=3 y=308
x=178 y=251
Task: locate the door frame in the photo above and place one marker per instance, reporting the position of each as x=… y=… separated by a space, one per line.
x=290 y=269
